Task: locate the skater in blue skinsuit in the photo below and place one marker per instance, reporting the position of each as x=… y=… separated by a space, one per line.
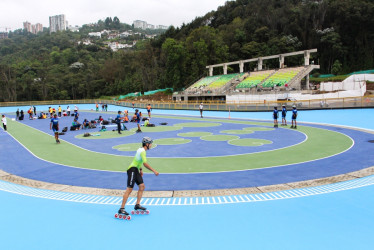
x=275 y=117
x=294 y=116
x=54 y=126
x=135 y=175
x=284 y=112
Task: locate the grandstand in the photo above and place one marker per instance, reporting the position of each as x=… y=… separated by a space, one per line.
x=219 y=87
x=254 y=79
x=281 y=77
x=204 y=82
x=223 y=80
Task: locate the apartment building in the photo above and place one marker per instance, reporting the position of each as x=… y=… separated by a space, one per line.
x=57 y=23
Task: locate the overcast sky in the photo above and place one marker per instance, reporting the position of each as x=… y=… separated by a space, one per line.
x=79 y=12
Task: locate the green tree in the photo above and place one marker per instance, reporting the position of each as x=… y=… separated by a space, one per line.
x=174 y=54
x=336 y=67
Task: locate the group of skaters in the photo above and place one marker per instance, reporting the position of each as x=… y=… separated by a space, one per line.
x=104 y=107
x=137 y=117
x=284 y=113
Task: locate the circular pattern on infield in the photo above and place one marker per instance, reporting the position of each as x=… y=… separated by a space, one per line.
x=334 y=142
x=219 y=137
x=248 y=142
x=197 y=124
x=194 y=134
x=109 y=134
x=157 y=129
x=171 y=141
x=237 y=132
x=258 y=129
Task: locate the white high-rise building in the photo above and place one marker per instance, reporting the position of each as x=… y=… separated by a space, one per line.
x=57 y=23
x=138 y=24
x=27 y=26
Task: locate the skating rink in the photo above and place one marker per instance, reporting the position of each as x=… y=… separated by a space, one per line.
x=334 y=216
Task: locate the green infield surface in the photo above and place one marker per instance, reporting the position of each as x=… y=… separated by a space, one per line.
x=320 y=143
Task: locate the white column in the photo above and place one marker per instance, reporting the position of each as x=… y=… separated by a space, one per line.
x=259 y=66
x=225 y=69
x=306 y=57
x=307 y=82
x=281 y=61
x=210 y=71
x=241 y=66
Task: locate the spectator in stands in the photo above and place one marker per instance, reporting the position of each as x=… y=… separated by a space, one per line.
x=284 y=112
x=201 y=108
x=275 y=117
x=294 y=116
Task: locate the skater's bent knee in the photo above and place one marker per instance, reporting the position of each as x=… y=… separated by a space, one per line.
x=141 y=187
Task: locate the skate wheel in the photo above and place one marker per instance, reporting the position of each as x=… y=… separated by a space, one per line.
x=132 y=212
x=142 y=212
x=147 y=212
x=137 y=212
x=120 y=216
x=116 y=216
x=128 y=217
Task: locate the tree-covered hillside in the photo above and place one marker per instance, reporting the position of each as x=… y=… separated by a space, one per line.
x=60 y=65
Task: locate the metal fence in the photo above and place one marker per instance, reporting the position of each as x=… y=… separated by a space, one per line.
x=336 y=103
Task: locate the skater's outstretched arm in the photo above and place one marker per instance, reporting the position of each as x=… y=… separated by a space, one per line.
x=150 y=168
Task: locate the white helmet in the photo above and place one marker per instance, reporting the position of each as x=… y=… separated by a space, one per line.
x=147 y=140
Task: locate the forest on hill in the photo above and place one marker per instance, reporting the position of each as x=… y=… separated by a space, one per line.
x=60 y=66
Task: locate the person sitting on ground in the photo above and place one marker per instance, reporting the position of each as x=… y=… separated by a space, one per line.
x=76 y=125
x=147 y=124
x=40 y=115
x=100 y=120
x=133 y=119
x=86 y=124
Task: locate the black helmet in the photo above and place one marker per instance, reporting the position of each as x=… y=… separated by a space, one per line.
x=147 y=140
